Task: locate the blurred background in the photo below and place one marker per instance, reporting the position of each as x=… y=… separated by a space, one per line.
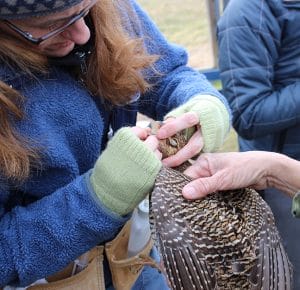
x=192 y=24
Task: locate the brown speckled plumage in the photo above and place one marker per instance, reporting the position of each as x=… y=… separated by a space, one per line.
x=227 y=240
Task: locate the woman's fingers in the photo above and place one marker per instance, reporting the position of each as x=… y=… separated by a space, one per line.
x=152 y=143
x=141 y=133
x=192 y=148
x=173 y=125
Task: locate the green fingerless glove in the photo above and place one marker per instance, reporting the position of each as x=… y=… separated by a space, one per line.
x=213 y=116
x=124 y=173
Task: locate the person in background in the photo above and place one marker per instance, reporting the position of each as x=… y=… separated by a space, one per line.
x=73 y=75
x=259 y=57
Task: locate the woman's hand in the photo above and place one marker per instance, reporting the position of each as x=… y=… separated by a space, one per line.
x=223 y=171
x=144 y=134
x=125 y=171
x=171 y=126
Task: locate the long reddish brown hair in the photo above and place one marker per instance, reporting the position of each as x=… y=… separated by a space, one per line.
x=115 y=73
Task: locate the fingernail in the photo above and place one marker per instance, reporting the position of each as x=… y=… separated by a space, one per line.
x=189 y=192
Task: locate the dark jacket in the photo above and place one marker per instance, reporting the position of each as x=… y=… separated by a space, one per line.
x=259 y=58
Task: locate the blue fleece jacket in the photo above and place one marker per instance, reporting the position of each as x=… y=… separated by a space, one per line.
x=54 y=216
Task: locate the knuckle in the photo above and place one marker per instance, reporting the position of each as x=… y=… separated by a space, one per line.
x=195 y=148
x=191 y=118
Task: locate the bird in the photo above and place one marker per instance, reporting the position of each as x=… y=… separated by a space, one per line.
x=227 y=240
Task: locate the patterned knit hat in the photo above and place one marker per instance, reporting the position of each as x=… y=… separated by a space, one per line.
x=18 y=9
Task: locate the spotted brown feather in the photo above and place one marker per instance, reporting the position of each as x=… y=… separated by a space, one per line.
x=227 y=240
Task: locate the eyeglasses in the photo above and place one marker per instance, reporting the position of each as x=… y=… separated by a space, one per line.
x=29 y=37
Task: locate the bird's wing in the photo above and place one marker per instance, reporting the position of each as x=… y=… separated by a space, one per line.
x=196 y=244
x=185 y=267
x=273 y=269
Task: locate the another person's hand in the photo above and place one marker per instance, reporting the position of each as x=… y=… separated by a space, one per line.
x=223 y=171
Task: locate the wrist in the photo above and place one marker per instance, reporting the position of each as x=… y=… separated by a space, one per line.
x=214 y=121
x=213 y=116
x=281 y=173
x=124 y=173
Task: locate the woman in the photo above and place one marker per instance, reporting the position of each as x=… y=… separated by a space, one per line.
x=72 y=74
